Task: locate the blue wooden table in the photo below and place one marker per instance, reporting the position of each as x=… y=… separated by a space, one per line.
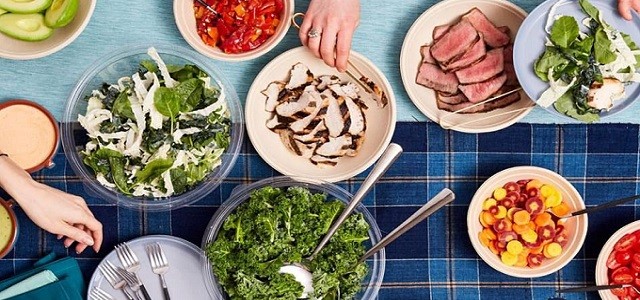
x=434 y=260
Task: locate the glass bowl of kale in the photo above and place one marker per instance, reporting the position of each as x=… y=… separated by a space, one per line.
x=152 y=128
x=280 y=220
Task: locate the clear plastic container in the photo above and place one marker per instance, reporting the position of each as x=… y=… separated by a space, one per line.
x=371 y=283
x=125 y=62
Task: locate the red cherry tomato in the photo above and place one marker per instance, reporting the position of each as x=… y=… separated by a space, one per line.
x=635 y=266
x=612 y=263
x=626 y=242
x=622 y=275
x=624 y=257
x=620 y=292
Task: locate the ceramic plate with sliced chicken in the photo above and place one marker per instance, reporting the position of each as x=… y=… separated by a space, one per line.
x=306 y=119
x=457 y=67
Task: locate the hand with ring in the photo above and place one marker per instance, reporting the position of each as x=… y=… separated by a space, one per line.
x=328 y=28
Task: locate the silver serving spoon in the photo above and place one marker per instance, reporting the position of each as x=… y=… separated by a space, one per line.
x=300 y=271
x=443 y=198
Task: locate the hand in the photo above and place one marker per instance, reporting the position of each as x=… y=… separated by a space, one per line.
x=625 y=6
x=53 y=210
x=335 y=21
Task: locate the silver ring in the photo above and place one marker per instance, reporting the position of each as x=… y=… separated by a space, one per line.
x=314 y=33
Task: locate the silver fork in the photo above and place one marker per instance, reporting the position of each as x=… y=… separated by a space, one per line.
x=131 y=264
x=98 y=294
x=159 y=265
x=116 y=281
x=130 y=279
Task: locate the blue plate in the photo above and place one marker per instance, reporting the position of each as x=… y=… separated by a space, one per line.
x=530 y=40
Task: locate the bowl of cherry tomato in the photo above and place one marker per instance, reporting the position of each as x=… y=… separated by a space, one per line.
x=233 y=30
x=619 y=263
x=516 y=225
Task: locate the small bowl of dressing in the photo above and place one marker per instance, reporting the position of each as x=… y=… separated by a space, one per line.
x=8 y=227
x=29 y=134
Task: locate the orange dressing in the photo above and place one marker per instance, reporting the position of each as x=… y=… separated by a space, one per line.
x=27 y=135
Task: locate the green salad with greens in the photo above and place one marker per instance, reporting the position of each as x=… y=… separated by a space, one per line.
x=586 y=71
x=158 y=132
x=277 y=226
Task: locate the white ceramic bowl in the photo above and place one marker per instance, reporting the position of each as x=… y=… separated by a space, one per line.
x=20 y=50
x=577 y=226
x=380 y=121
x=601 y=264
x=186 y=22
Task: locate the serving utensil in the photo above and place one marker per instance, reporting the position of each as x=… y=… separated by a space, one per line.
x=159 y=265
x=208 y=7
x=131 y=264
x=97 y=294
x=116 y=281
x=301 y=271
x=443 y=198
x=599 y=207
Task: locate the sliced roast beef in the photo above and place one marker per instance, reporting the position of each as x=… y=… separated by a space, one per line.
x=502 y=102
x=426 y=55
x=472 y=55
x=454 y=42
x=491 y=65
x=505 y=29
x=477 y=92
x=508 y=53
x=511 y=74
x=451 y=98
x=491 y=34
x=433 y=77
x=439 y=30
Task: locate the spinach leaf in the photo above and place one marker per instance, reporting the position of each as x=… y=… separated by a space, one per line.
x=150 y=65
x=190 y=92
x=179 y=180
x=186 y=72
x=550 y=59
x=590 y=10
x=566 y=105
x=118 y=174
x=564 y=31
x=209 y=96
x=602 y=48
x=153 y=169
x=122 y=106
x=167 y=102
x=585 y=45
x=106 y=153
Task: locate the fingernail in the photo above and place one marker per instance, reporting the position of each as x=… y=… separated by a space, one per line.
x=59 y=237
x=87 y=241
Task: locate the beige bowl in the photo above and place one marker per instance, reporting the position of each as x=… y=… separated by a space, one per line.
x=602 y=277
x=577 y=226
x=186 y=22
x=380 y=121
x=20 y=50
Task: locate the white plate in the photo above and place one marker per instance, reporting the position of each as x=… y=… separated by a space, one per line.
x=20 y=50
x=381 y=122
x=502 y=13
x=186 y=278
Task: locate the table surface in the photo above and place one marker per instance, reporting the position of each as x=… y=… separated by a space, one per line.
x=120 y=23
x=434 y=260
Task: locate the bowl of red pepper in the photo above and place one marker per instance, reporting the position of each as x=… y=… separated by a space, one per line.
x=233 y=30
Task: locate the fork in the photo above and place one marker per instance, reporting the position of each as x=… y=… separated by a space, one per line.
x=98 y=294
x=130 y=279
x=131 y=264
x=159 y=265
x=116 y=281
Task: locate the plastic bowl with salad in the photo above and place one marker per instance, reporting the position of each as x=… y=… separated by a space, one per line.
x=152 y=129
x=280 y=220
x=587 y=70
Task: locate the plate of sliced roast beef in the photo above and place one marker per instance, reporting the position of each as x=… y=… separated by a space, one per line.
x=306 y=119
x=457 y=65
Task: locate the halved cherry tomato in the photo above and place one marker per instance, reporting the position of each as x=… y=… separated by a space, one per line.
x=623 y=257
x=622 y=275
x=620 y=292
x=626 y=242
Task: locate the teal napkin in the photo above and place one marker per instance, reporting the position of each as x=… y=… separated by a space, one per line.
x=69 y=286
x=41 y=279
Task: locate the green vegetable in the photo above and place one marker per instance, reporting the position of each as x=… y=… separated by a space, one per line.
x=149 y=65
x=191 y=91
x=552 y=58
x=567 y=106
x=122 y=106
x=276 y=226
x=153 y=169
x=602 y=48
x=591 y=11
x=564 y=31
x=118 y=174
x=167 y=102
